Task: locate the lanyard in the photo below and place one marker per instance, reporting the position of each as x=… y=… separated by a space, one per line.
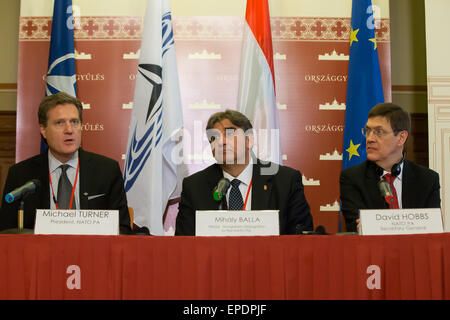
x=248 y=191
x=73 y=188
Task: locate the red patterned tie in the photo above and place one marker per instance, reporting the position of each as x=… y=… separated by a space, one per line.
x=389 y=178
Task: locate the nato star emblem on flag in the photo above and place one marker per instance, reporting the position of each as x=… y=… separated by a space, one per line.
x=61 y=76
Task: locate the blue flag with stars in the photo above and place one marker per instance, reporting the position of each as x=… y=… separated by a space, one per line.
x=364 y=87
x=61 y=74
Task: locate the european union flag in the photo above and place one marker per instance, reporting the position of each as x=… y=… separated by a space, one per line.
x=61 y=74
x=364 y=87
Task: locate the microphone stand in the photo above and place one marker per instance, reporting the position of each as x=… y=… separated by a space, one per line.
x=387 y=205
x=19 y=229
x=20 y=215
x=221 y=204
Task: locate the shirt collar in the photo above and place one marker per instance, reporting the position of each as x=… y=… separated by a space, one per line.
x=54 y=163
x=399 y=177
x=246 y=175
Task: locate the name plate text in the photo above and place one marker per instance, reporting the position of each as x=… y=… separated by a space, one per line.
x=88 y=222
x=237 y=223
x=400 y=221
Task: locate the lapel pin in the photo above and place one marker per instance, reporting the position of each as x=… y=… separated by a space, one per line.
x=265 y=187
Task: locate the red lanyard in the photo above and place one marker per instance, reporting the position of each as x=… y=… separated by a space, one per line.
x=73 y=188
x=248 y=192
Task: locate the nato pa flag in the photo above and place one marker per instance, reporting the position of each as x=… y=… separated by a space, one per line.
x=61 y=61
x=154 y=168
x=364 y=87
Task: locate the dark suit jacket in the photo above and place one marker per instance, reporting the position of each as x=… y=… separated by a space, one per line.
x=98 y=175
x=359 y=189
x=284 y=192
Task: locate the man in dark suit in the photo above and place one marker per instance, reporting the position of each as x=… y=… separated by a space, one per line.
x=412 y=185
x=91 y=181
x=254 y=185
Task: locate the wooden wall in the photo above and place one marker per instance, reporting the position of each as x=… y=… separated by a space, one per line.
x=7 y=144
x=417 y=144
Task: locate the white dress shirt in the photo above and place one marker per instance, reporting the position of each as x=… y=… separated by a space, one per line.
x=245 y=177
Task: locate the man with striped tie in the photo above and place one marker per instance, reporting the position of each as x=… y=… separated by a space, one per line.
x=251 y=186
x=70 y=177
x=412 y=186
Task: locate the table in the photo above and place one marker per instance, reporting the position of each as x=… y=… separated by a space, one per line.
x=262 y=268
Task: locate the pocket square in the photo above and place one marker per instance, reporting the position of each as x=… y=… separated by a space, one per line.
x=96 y=196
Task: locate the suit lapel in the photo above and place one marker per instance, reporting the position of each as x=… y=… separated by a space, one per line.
x=261 y=188
x=83 y=176
x=407 y=186
x=376 y=201
x=41 y=165
x=213 y=178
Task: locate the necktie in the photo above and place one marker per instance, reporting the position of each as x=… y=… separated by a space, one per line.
x=64 y=189
x=389 y=178
x=235 y=200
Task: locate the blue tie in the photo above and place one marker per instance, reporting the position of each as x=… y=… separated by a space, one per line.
x=235 y=200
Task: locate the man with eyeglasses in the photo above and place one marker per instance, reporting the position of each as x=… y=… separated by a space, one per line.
x=413 y=186
x=71 y=178
x=254 y=185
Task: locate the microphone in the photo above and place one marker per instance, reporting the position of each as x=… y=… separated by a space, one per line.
x=320 y=230
x=221 y=189
x=298 y=229
x=386 y=192
x=28 y=188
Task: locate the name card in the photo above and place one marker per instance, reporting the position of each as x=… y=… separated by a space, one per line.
x=237 y=223
x=88 y=222
x=400 y=221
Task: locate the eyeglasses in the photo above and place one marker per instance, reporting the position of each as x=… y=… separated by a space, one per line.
x=378 y=132
x=74 y=123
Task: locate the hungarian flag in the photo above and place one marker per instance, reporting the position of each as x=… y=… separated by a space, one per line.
x=256 y=98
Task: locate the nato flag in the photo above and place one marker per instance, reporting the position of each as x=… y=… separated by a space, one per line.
x=61 y=62
x=61 y=74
